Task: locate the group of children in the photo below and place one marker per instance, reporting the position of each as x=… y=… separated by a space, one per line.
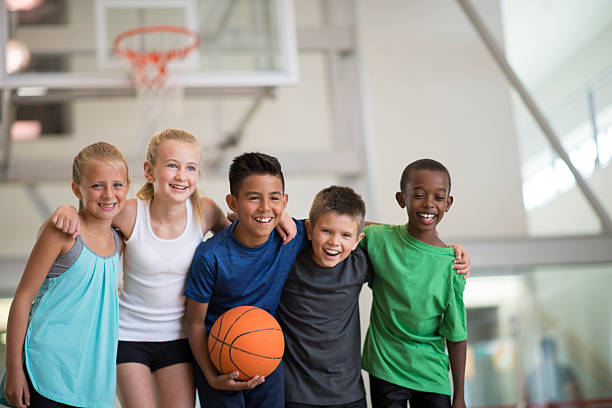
x=72 y=337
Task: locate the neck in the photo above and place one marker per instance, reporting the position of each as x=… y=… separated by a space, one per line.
x=161 y=211
x=94 y=225
x=429 y=237
x=247 y=239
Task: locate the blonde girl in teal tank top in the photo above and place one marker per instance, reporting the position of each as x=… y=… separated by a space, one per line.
x=62 y=327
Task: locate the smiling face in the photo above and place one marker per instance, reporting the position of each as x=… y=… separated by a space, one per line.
x=174 y=174
x=333 y=237
x=260 y=202
x=426 y=199
x=103 y=188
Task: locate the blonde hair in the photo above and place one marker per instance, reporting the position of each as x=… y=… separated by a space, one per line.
x=100 y=151
x=146 y=192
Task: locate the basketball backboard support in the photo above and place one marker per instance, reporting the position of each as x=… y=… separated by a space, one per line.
x=244 y=43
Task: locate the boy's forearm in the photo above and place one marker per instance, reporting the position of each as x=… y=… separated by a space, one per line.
x=457 y=355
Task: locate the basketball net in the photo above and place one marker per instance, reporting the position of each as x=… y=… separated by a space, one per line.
x=149 y=50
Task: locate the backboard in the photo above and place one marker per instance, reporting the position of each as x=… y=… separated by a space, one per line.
x=243 y=42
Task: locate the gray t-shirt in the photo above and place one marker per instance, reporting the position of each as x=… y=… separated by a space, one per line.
x=319 y=314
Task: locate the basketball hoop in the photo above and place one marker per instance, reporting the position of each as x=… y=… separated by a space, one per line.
x=151 y=48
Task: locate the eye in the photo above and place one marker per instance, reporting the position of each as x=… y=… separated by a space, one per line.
x=419 y=195
x=96 y=185
x=347 y=236
x=440 y=198
x=192 y=168
x=171 y=165
x=253 y=197
x=118 y=185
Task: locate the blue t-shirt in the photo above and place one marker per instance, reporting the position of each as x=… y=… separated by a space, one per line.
x=225 y=273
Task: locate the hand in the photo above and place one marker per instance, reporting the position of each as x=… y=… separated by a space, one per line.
x=462 y=262
x=228 y=382
x=286 y=228
x=231 y=216
x=16 y=389
x=66 y=219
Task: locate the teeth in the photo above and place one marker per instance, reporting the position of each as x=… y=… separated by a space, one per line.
x=263 y=219
x=106 y=205
x=331 y=251
x=428 y=216
x=178 y=187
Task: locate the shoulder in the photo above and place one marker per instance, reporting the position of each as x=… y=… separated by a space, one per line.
x=53 y=238
x=220 y=241
x=214 y=217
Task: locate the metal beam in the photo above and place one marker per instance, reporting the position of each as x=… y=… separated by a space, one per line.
x=530 y=252
x=498 y=55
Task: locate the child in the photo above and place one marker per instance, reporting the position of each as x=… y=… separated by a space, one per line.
x=64 y=353
x=244 y=264
x=417 y=300
x=162 y=229
x=319 y=306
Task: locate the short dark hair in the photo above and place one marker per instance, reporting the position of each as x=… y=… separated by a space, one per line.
x=248 y=164
x=342 y=200
x=423 y=164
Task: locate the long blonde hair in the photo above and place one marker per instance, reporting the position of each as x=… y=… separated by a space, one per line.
x=147 y=192
x=100 y=151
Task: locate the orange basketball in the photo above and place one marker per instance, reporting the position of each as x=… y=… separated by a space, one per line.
x=246 y=339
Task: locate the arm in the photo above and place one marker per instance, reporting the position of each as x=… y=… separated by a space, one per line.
x=462 y=262
x=286 y=228
x=456 y=353
x=195 y=313
x=49 y=245
x=66 y=219
x=214 y=217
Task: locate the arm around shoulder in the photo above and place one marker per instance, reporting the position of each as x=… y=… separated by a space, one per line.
x=214 y=217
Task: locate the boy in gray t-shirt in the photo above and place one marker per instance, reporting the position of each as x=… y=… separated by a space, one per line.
x=319 y=306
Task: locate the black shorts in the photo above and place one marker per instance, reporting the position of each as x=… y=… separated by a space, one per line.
x=37 y=400
x=357 y=404
x=154 y=354
x=387 y=395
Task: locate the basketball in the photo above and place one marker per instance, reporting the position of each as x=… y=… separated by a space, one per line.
x=246 y=339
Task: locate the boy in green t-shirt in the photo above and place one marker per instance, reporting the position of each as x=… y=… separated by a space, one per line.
x=417 y=300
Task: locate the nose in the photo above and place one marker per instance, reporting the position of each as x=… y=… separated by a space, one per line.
x=334 y=239
x=264 y=204
x=180 y=173
x=108 y=191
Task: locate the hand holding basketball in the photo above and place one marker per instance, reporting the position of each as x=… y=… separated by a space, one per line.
x=247 y=340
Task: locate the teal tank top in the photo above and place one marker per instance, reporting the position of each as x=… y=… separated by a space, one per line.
x=70 y=347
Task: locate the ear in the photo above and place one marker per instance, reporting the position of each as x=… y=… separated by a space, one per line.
x=308 y=229
x=77 y=190
x=148 y=172
x=399 y=197
x=232 y=202
x=285 y=201
x=359 y=238
x=449 y=202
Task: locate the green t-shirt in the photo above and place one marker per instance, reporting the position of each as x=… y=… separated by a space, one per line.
x=417 y=304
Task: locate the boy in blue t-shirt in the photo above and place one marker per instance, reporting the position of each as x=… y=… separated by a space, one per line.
x=244 y=264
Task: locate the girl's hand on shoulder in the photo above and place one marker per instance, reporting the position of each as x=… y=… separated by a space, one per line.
x=66 y=219
x=229 y=382
x=462 y=263
x=286 y=228
x=16 y=388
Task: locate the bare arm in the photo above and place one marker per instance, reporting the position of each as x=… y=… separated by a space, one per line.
x=214 y=217
x=50 y=244
x=66 y=219
x=195 y=313
x=456 y=353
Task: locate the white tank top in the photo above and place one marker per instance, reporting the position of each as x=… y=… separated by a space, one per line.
x=151 y=303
